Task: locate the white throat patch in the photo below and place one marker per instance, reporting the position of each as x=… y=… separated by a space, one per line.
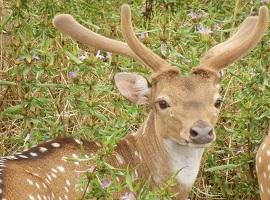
x=184 y=159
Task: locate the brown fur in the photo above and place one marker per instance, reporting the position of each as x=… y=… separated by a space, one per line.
x=263 y=167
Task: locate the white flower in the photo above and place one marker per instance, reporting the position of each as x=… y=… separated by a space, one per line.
x=83 y=56
x=204 y=30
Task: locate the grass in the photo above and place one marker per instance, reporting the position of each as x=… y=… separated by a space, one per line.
x=46 y=91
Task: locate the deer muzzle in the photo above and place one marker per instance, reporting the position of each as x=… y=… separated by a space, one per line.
x=201 y=133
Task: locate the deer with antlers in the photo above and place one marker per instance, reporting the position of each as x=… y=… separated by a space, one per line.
x=172 y=139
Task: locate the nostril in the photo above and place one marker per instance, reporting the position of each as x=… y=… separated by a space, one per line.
x=193 y=133
x=211 y=132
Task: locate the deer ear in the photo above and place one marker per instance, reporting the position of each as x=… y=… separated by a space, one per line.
x=134 y=87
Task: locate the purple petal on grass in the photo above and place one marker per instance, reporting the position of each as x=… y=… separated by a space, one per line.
x=35 y=57
x=99 y=55
x=109 y=55
x=142 y=35
x=164 y=49
x=204 y=30
x=105 y=183
x=83 y=56
x=105 y=57
x=91 y=169
x=264 y=1
x=195 y=15
x=217 y=27
x=72 y=74
x=128 y=196
x=20 y=58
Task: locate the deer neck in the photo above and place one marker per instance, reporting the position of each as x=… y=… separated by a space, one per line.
x=155 y=155
x=184 y=160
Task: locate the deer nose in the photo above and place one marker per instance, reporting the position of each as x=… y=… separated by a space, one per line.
x=201 y=133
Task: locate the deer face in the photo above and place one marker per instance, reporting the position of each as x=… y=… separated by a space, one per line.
x=185 y=108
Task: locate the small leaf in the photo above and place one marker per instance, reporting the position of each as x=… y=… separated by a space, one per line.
x=222 y=168
x=74 y=58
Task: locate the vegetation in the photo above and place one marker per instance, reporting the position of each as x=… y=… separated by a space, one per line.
x=51 y=86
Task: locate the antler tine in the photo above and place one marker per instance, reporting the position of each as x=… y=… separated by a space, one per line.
x=67 y=24
x=149 y=57
x=240 y=44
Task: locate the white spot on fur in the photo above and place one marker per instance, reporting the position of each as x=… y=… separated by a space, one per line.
x=260 y=160
x=11 y=158
x=55 y=144
x=74 y=155
x=68 y=182
x=31 y=197
x=30 y=181
x=135 y=175
x=33 y=154
x=66 y=189
x=99 y=145
x=261 y=187
x=37 y=185
x=119 y=158
x=43 y=149
x=23 y=156
x=61 y=168
x=64 y=158
x=78 y=141
x=49 y=177
x=44 y=185
x=53 y=175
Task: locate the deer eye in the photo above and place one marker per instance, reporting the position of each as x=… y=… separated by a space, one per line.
x=163 y=104
x=218 y=103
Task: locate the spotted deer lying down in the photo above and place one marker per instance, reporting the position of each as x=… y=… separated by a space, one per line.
x=178 y=128
x=263 y=167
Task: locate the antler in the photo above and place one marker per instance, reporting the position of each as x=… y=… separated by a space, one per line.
x=150 y=58
x=240 y=44
x=67 y=24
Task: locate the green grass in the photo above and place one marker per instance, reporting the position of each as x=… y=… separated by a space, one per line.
x=39 y=100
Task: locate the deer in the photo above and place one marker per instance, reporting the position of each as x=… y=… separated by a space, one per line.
x=263 y=167
x=171 y=141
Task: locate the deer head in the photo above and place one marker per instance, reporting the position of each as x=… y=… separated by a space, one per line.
x=185 y=107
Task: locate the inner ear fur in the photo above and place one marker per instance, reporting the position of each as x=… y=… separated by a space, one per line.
x=133 y=87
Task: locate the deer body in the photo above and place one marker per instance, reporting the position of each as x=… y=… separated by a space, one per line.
x=41 y=173
x=263 y=167
x=171 y=141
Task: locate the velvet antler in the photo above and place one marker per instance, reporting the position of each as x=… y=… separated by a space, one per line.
x=240 y=44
